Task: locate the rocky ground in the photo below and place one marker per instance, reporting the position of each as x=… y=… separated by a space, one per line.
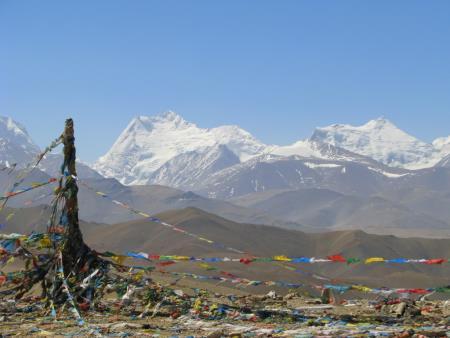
x=205 y=314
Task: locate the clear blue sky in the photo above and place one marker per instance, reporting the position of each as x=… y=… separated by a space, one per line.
x=276 y=68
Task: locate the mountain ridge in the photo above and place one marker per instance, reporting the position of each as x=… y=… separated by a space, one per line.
x=213 y=176
x=151 y=144
x=381 y=140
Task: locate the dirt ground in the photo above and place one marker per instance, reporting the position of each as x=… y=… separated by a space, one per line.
x=207 y=314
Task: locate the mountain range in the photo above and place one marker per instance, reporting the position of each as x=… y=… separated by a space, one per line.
x=165 y=149
x=373 y=177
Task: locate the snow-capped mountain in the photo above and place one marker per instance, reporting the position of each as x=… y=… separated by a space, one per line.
x=166 y=149
x=150 y=142
x=228 y=163
x=16 y=146
x=271 y=172
x=384 y=142
x=18 y=149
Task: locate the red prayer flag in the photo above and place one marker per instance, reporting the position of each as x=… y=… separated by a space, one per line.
x=435 y=261
x=228 y=274
x=337 y=258
x=246 y=260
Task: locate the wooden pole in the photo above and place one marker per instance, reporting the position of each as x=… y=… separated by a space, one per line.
x=75 y=251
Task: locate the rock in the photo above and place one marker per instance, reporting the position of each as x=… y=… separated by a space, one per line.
x=272 y=294
x=179 y=293
x=399 y=309
x=446 y=308
x=289 y=296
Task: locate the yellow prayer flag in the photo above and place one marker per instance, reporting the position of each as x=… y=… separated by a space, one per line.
x=181 y=258
x=374 y=260
x=197 y=304
x=138 y=276
x=119 y=259
x=282 y=258
x=45 y=243
x=361 y=288
x=207 y=266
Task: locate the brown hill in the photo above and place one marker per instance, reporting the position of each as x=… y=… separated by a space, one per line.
x=143 y=235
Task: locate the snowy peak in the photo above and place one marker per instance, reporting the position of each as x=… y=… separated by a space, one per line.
x=239 y=141
x=13 y=131
x=149 y=142
x=379 y=123
x=379 y=139
x=173 y=118
x=16 y=146
x=165 y=121
x=374 y=130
